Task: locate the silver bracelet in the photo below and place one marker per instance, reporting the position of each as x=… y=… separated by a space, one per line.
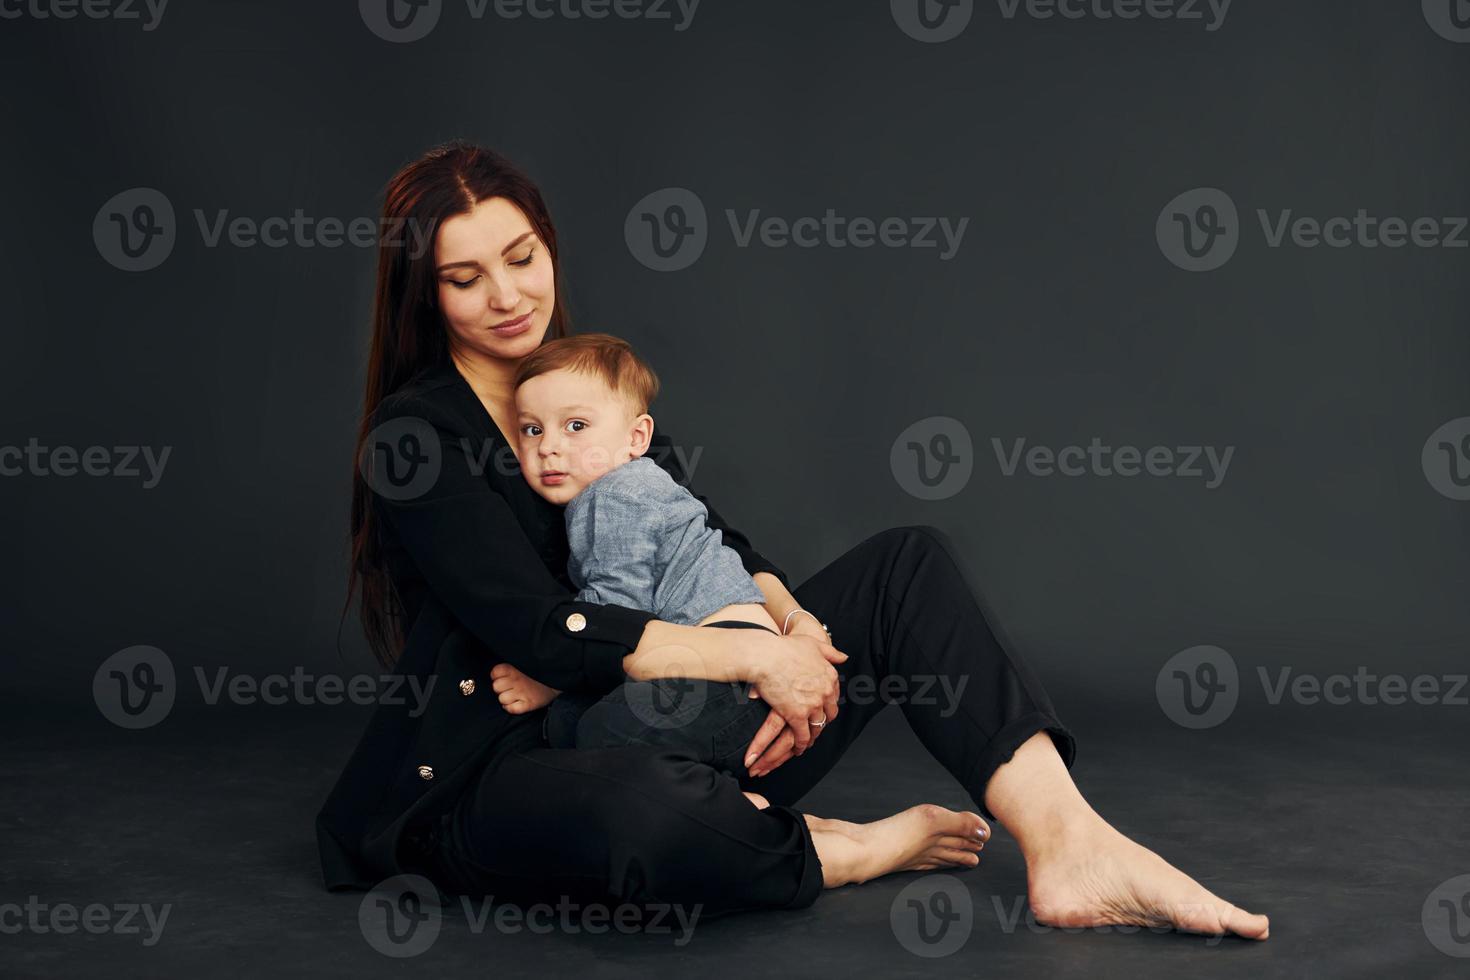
x=786 y=626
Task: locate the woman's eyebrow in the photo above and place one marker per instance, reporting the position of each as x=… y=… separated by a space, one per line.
x=458 y=265
x=517 y=241
x=472 y=264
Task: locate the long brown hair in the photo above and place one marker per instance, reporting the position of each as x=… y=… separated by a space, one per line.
x=410 y=336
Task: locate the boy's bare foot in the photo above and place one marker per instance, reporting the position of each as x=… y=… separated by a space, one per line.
x=1096 y=876
x=519 y=692
x=920 y=838
x=760 y=801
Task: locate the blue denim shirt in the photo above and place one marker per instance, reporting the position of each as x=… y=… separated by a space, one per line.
x=638 y=539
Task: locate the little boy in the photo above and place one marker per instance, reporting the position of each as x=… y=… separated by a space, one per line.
x=637 y=539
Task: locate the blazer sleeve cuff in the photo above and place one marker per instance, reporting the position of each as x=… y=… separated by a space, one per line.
x=607 y=633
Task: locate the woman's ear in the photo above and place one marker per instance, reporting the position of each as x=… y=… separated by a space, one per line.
x=642 y=434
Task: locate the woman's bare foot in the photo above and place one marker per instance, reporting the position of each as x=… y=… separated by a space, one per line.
x=1097 y=877
x=519 y=692
x=1081 y=872
x=920 y=838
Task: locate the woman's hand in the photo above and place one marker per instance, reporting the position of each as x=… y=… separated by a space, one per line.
x=801 y=686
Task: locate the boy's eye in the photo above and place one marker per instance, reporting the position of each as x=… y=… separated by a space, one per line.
x=576 y=425
x=530 y=430
x=464 y=283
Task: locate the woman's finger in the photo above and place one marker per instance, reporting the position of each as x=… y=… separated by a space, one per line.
x=775 y=756
x=832 y=654
x=801 y=731
x=764 y=736
x=830 y=705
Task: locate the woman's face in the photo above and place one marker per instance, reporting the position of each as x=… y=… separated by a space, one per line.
x=495 y=281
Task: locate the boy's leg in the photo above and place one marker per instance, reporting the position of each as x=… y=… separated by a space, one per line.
x=712 y=722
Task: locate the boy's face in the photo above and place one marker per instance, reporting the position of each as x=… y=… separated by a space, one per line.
x=571 y=429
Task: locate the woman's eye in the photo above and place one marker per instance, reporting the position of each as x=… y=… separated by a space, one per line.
x=526 y=260
x=464 y=284
x=576 y=425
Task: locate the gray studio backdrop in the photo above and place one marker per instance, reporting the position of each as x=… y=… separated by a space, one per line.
x=1158 y=308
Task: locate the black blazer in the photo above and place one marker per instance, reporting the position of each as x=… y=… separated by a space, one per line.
x=479 y=560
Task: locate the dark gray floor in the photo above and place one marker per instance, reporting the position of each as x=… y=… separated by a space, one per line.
x=1337 y=825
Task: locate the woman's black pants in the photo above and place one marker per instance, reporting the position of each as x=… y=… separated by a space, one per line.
x=644 y=827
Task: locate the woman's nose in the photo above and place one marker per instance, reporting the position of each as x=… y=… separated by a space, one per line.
x=503 y=294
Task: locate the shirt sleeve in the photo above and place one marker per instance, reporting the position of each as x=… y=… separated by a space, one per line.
x=474 y=555
x=615 y=540
x=661 y=451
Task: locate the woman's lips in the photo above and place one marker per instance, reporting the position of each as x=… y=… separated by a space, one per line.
x=511 y=328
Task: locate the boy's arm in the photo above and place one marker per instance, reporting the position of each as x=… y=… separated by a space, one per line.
x=613 y=537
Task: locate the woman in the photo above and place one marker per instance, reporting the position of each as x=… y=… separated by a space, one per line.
x=462 y=575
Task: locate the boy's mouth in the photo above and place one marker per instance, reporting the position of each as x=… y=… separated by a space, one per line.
x=552 y=478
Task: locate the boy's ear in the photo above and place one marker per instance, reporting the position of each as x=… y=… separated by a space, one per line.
x=642 y=434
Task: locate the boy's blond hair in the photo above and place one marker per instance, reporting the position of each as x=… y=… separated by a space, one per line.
x=600 y=355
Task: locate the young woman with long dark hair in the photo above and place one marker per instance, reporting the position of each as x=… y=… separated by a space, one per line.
x=459 y=569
